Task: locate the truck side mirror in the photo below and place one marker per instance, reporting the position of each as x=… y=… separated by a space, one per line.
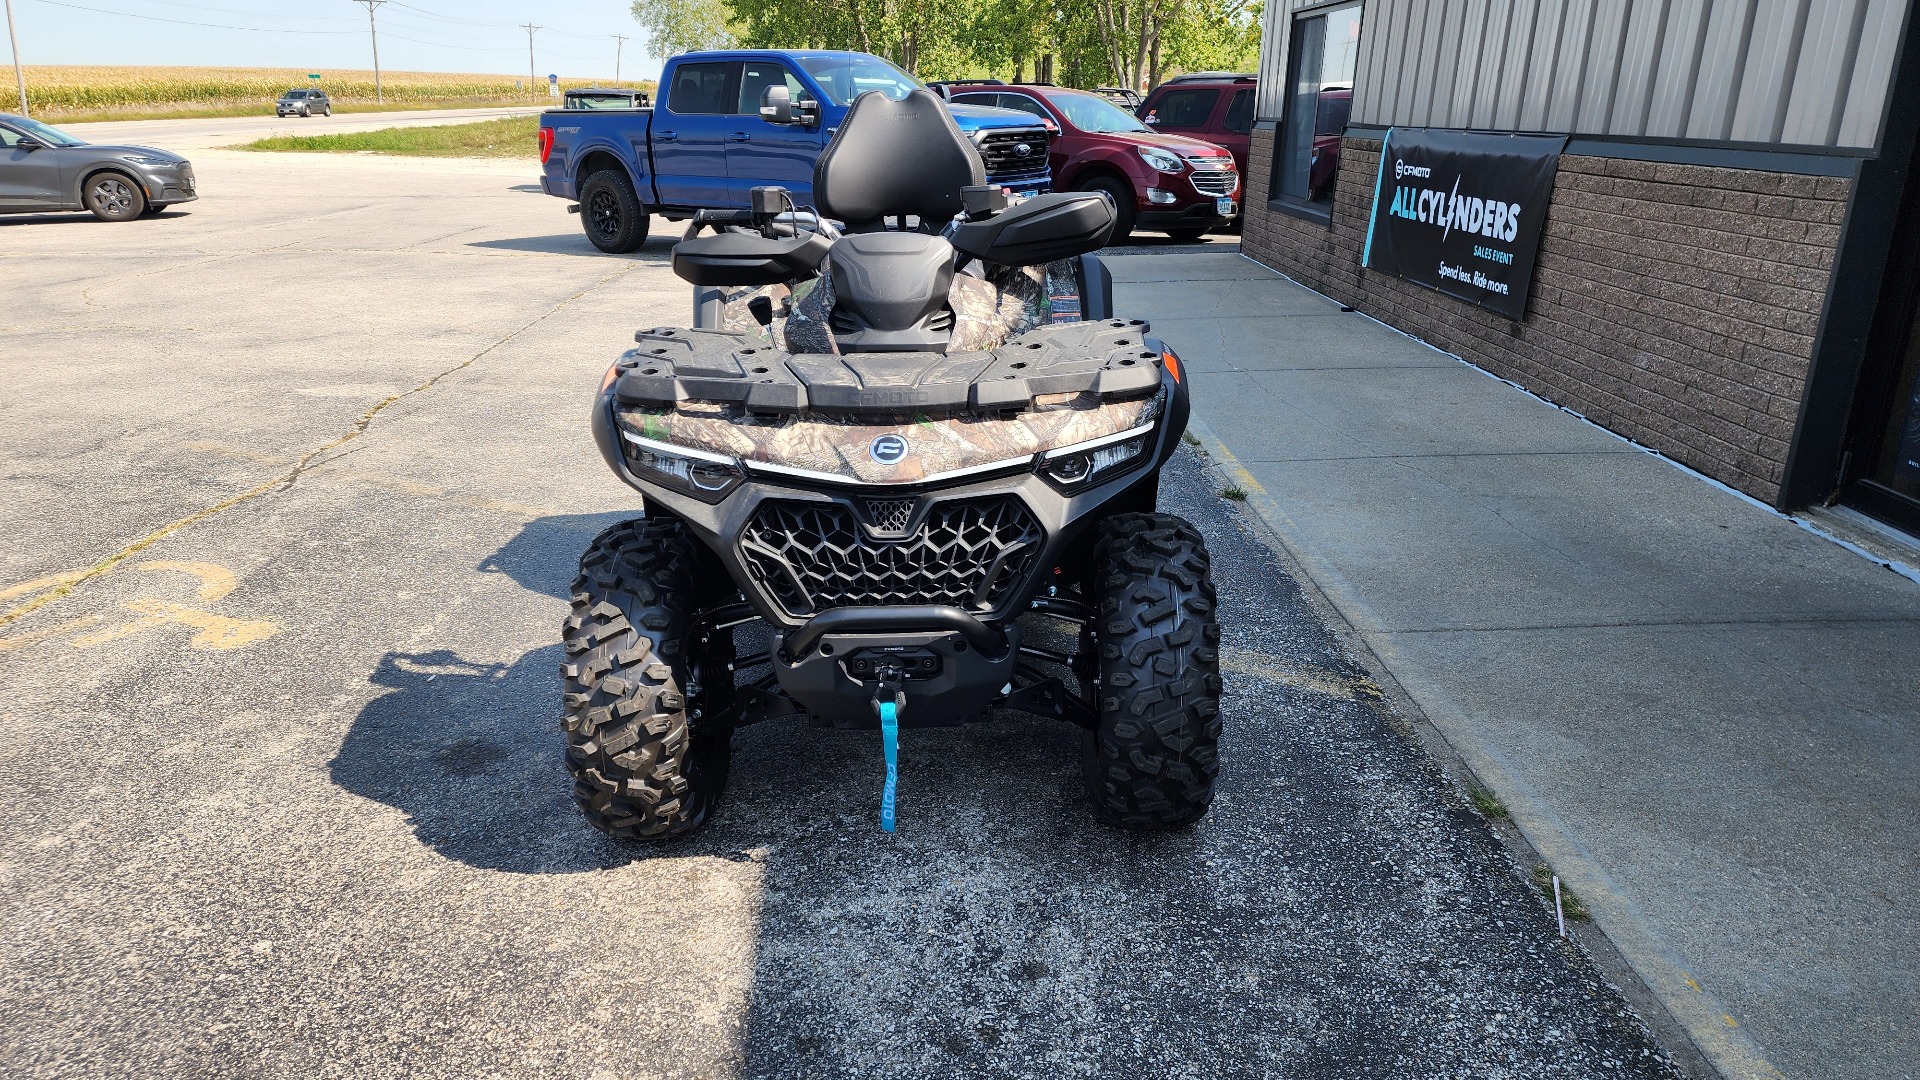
x=776 y=105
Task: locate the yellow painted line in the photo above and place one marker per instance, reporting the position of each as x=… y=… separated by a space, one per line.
x=37 y=584
x=21 y=641
x=215 y=632
x=1711 y=1027
x=216 y=582
x=44 y=591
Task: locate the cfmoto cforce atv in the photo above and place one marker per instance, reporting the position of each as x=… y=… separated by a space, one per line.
x=901 y=471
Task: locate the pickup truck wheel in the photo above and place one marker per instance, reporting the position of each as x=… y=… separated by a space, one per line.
x=1121 y=194
x=611 y=213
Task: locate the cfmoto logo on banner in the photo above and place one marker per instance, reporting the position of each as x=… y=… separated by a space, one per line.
x=1493 y=219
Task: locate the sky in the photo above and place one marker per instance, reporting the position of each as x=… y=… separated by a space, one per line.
x=415 y=35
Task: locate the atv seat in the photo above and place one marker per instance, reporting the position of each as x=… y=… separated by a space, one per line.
x=740 y=258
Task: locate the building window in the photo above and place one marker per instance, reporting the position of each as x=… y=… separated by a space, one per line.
x=1322 y=52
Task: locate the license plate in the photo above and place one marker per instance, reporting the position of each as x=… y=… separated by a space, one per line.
x=1223 y=207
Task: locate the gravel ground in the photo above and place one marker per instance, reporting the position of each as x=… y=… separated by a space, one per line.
x=342 y=846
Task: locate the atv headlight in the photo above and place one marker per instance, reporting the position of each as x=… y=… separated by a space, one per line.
x=1085 y=464
x=1161 y=159
x=703 y=475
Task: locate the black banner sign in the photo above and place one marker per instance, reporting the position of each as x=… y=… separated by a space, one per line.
x=1461 y=212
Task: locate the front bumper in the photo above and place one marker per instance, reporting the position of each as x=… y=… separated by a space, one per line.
x=967 y=675
x=1201 y=215
x=169 y=184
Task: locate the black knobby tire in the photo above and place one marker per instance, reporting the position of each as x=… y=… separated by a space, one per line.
x=1121 y=194
x=1153 y=761
x=1186 y=236
x=647 y=707
x=611 y=213
x=114 y=196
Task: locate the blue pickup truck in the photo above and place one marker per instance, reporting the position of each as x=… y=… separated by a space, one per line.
x=728 y=122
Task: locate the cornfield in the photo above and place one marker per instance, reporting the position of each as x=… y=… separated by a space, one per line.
x=64 y=92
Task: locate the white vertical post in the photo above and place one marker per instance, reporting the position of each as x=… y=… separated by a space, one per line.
x=532 y=71
x=379 y=97
x=621 y=44
x=19 y=73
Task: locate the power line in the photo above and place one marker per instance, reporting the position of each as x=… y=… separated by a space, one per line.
x=260 y=14
x=184 y=22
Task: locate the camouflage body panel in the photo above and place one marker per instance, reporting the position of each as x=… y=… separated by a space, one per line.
x=839 y=446
x=988 y=310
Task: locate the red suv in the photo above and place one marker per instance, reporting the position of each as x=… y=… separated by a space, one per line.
x=1211 y=105
x=1167 y=183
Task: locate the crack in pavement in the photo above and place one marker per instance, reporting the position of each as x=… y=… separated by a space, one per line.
x=70 y=581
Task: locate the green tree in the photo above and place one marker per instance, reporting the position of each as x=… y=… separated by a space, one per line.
x=677 y=26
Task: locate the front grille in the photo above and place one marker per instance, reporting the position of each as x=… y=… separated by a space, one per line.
x=1216 y=183
x=812 y=557
x=999 y=149
x=890 y=516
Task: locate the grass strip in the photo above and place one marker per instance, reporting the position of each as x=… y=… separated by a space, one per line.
x=508 y=137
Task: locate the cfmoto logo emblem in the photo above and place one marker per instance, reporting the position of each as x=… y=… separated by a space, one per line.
x=1021 y=149
x=888 y=449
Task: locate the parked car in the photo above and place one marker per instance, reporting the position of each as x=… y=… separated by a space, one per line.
x=1211 y=105
x=43 y=168
x=1167 y=183
x=595 y=97
x=730 y=121
x=303 y=103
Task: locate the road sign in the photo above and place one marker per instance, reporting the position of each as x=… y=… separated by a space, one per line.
x=553 y=86
x=313 y=75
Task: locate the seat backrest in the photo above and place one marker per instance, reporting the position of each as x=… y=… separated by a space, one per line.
x=896 y=157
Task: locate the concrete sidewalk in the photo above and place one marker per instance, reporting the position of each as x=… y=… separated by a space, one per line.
x=1706 y=717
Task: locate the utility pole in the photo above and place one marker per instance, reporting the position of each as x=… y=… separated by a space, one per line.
x=533 y=75
x=620 y=38
x=19 y=73
x=379 y=98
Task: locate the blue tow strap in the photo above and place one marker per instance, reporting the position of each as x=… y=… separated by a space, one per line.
x=890 y=739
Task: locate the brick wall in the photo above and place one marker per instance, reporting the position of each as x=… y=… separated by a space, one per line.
x=1674 y=304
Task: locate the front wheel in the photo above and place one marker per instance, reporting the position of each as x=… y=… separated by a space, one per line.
x=648 y=703
x=114 y=196
x=1120 y=193
x=1154 y=759
x=611 y=213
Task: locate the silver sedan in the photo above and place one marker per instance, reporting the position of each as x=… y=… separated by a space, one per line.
x=43 y=168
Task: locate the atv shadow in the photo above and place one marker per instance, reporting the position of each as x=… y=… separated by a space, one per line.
x=544 y=555
x=657 y=249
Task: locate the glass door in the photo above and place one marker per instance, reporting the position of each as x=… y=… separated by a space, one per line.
x=1883 y=444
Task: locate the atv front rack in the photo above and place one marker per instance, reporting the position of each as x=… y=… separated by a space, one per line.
x=1111 y=359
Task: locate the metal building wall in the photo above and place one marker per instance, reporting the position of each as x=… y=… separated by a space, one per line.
x=1795 y=72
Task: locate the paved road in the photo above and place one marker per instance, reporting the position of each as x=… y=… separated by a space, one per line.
x=210 y=132
x=280 y=785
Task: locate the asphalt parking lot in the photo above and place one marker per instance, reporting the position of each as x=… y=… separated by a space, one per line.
x=295 y=479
